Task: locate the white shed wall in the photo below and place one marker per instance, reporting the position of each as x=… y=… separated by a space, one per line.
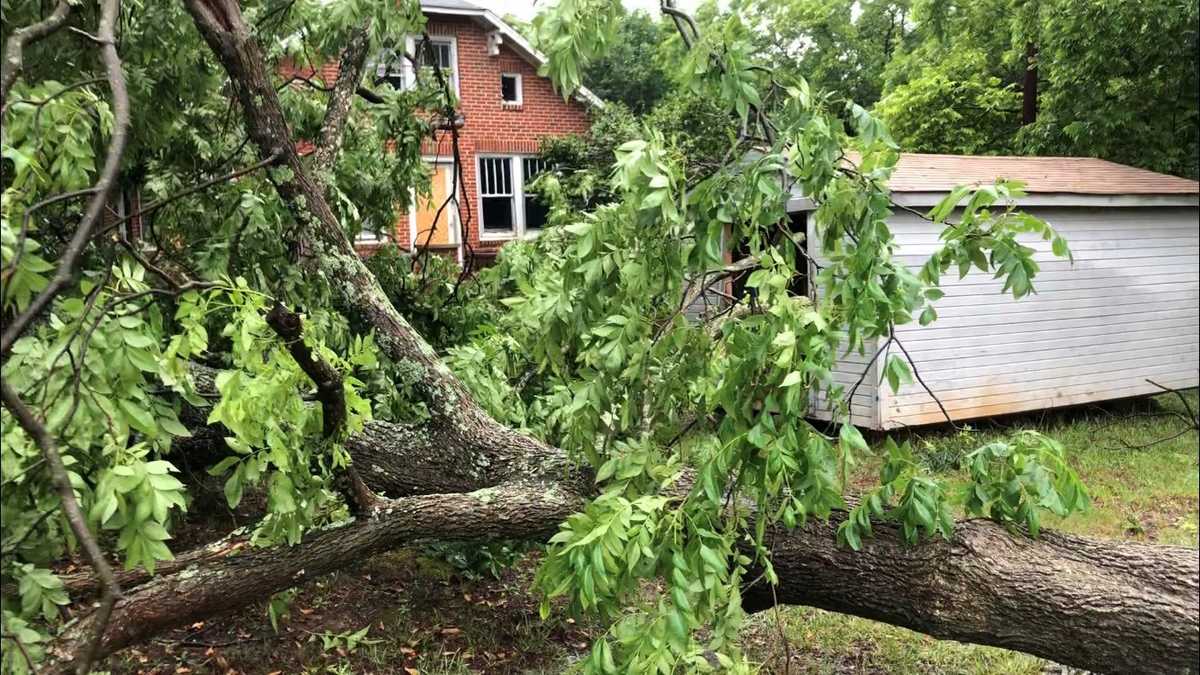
x=1128 y=310
x=864 y=409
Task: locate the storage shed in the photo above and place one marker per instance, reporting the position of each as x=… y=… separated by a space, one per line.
x=1127 y=310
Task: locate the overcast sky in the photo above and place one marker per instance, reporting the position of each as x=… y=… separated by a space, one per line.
x=525 y=9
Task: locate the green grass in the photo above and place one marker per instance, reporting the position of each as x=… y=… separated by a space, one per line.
x=825 y=643
x=1147 y=494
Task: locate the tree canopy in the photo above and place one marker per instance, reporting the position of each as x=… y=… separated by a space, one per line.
x=948 y=76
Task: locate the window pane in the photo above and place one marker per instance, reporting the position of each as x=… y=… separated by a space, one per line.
x=498 y=214
x=495 y=176
x=436 y=53
x=508 y=88
x=536 y=213
x=389 y=68
x=533 y=166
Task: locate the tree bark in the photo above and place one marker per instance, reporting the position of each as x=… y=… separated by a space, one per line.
x=1103 y=606
x=1107 y=607
x=1029 y=89
x=238 y=575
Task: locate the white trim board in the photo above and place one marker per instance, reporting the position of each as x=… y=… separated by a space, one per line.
x=917 y=199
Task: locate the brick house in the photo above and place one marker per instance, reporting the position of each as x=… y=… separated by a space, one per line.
x=505 y=110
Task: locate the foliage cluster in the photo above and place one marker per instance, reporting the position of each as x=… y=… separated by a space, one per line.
x=948 y=75
x=579 y=337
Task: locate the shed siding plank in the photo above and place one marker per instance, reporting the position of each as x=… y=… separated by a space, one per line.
x=1128 y=309
x=932 y=415
x=1035 y=400
x=1033 y=359
x=1051 y=279
x=945 y=349
x=1001 y=386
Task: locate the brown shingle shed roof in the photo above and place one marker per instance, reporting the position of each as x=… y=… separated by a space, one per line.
x=917 y=172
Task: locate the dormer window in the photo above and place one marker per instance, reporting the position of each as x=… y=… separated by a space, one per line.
x=510 y=89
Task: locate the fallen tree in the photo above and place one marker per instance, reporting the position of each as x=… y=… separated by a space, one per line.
x=1103 y=606
x=458 y=474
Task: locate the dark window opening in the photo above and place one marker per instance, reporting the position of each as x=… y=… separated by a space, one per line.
x=510 y=89
x=434 y=54
x=800 y=284
x=498 y=214
x=798 y=224
x=536 y=211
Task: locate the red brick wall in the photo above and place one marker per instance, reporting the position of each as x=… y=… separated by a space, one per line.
x=489 y=125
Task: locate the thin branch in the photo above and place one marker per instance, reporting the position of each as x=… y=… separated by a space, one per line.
x=14 y=50
x=850 y=397
x=330 y=393
x=116 y=149
x=12 y=548
x=24 y=234
x=154 y=206
x=21 y=648
x=1182 y=399
x=913 y=366
x=1143 y=446
x=350 y=70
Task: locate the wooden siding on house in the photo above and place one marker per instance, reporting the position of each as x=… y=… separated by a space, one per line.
x=1127 y=310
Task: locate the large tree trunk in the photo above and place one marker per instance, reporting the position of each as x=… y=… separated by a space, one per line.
x=1105 y=606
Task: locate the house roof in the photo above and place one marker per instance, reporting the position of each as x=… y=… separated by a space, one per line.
x=491 y=21
x=1041 y=175
x=429 y=5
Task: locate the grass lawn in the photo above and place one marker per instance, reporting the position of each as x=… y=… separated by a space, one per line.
x=424 y=617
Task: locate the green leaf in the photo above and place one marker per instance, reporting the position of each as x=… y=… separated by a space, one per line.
x=928 y=316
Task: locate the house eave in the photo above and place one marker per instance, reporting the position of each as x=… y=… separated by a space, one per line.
x=491 y=21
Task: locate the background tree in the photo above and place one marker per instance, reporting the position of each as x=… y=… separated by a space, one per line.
x=839 y=46
x=1118 y=98
x=633 y=71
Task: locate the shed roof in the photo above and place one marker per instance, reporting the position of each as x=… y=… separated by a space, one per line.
x=916 y=172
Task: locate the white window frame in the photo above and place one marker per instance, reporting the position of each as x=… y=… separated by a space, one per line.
x=388 y=57
x=517 y=164
x=520 y=99
x=370 y=238
x=451 y=209
x=407 y=73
